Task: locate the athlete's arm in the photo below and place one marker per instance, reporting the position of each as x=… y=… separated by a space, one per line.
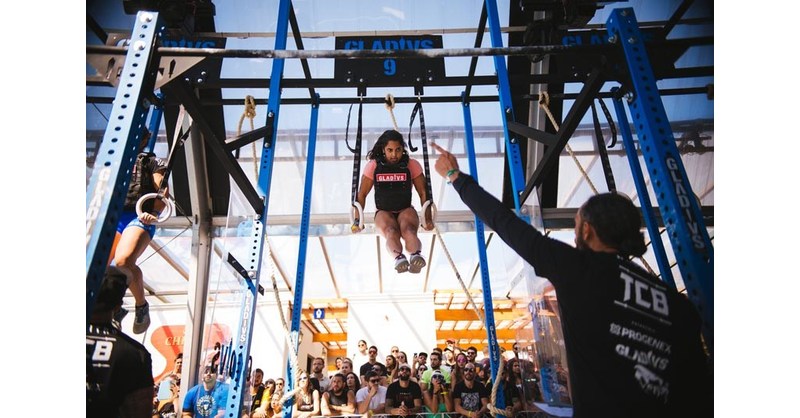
x=419 y=184
x=363 y=191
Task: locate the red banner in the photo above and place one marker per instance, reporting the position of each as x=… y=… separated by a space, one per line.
x=168 y=340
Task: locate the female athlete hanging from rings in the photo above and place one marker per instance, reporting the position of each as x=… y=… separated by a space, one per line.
x=136 y=231
x=392 y=173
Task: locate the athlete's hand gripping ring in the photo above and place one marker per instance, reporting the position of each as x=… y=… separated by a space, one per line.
x=434 y=212
x=356 y=221
x=169 y=206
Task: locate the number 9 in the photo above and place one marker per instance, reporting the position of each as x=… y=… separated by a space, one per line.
x=389 y=67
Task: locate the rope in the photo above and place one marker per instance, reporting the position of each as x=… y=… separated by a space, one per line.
x=289 y=342
x=458 y=276
x=389 y=105
x=493 y=409
x=250 y=113
x=544 y=103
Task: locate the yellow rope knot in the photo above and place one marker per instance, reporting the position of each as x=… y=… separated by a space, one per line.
x=389 y=105
x=493 y=398
x=250 y=107
x=544 y=99
x=249 y=113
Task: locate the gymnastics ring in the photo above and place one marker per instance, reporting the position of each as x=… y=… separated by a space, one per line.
x=169 y=206
x=357 y=223
x=434 y=211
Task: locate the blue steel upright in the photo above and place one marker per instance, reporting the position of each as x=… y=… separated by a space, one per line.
x=676 y=200
x=245 y=332
x=155 y=123
x=108 y=185
x=299 y=283
x=506 y=106
x=488 y=310
x=644 y=195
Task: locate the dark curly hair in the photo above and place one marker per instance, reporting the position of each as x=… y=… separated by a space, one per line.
x=376 y=153
x=617 y=222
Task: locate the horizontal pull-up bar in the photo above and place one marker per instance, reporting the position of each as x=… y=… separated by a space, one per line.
x=381 y=53
x=344 y=53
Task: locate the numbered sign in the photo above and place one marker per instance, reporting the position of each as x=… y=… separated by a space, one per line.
x=392 y=70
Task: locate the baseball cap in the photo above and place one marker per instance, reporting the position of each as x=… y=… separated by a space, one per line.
x=437 y=374
x=403 y=365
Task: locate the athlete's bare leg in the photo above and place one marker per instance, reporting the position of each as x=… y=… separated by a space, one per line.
x=387 y=225
x=409 y=225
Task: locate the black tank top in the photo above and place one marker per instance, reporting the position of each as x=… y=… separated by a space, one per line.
x=392 y=185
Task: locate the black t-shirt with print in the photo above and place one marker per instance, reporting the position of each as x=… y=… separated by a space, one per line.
x=397 y=395
x=470 y=397
x=116 y=365
x=633 y=344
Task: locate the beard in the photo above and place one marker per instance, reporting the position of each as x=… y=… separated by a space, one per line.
x=405 y=377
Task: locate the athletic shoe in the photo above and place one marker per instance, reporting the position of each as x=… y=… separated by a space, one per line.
x=417 y=263
x=142 y=320
x=120 y=315
x=401 y=263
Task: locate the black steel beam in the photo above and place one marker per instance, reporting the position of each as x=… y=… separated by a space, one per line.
x=676 y=17
x=593 y=84
x=192 y=105
x=380 y=100
x=545 y=138
x=473 y=63
x=481 y=80
x=564 y=218
x=96 y=28
x=247 y=138
x=298 y=40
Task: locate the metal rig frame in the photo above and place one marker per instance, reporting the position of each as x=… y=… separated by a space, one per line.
x=105 y=194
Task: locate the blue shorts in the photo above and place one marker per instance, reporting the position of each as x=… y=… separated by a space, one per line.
x=128 y=219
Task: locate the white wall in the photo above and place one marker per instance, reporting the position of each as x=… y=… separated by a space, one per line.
x=406 y=321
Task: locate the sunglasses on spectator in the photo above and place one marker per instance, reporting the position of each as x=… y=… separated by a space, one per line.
x=407 y=369
x=469 y=369
x=376 y=381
